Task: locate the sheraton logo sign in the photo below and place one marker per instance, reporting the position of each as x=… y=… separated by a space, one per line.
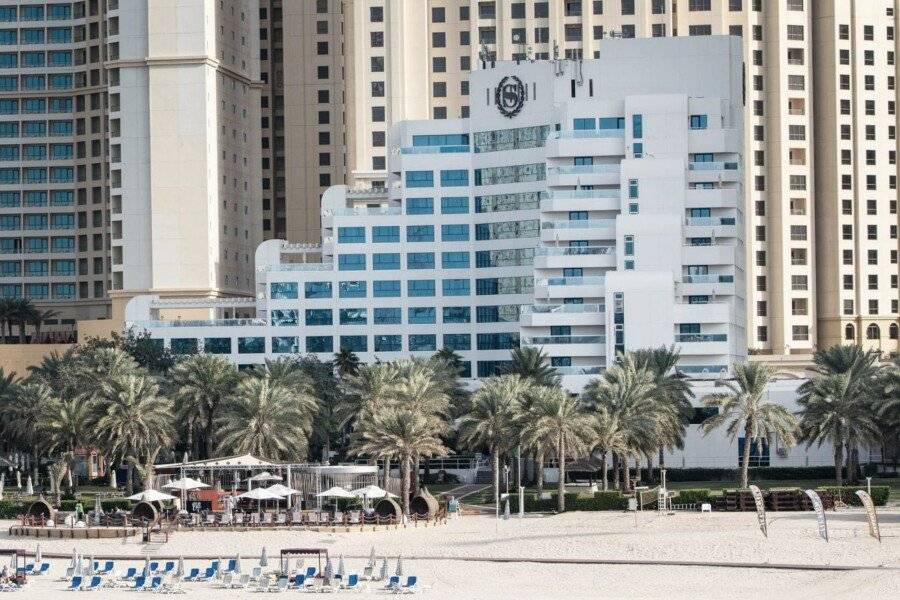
x=510 y=96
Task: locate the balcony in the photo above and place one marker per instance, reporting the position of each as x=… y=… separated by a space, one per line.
x=565 y=339
x=714 y=140
x=569 y=287
x=583 y=169
x=547 y=315
x=587 y=142
x=714 y=371
x=570 y=345
x=581 y=134
x=707 y=279
x=692 y=338
x=716 y=254
x=282 y=267
x=559 y=257
x=364 y=211
x=721 y=197
x=568 y=200
x=154 y=324
x=713 y=166
x=710 y=221
x=589 y=370
x=433 y=149
x=580 y=175
x=591 y=229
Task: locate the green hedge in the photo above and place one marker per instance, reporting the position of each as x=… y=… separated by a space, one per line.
x=10 y=510
x=693 y=496
x=847 y=494
x=757 y=473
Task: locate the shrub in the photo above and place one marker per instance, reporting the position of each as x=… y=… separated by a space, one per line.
x=693 y=496
x=10 y=510
x=758 y=473
x=847 y=494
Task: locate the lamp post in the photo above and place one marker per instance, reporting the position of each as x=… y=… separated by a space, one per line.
x=519 y=481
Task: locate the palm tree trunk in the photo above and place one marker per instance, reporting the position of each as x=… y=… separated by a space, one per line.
x=207 y=436
x=615 y=468
x=561 y=483
x=539 y=463
x=405 y=467
x=627 y=473
x=839 y=462
x=662 y=461
x=495 y=473
x=414 y=476
x=853 y=470
x=745 y=459
x=129 y=479
x=603 y=468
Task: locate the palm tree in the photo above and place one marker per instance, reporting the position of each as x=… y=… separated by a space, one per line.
x=371 y=388
x=263 y=418
x=744 y=409
x=134 y=423
x=55 y=369
x=399 y=432
x=39 y=318
x=326 y=424
x=346 y=362
x=22 y=416
x=558 y=416
x=200 y=384
x=835 y=408
x=22 y=312
x=490 y=422
x=7 y=316
x=532 y=363
x=67 y=424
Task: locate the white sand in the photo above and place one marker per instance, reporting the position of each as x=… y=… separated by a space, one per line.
x=727 y=537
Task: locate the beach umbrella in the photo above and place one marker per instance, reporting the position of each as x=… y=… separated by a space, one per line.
x=112 y=479
x=341 y=569
x=74 y=560
x=90 y=566
x=260 y=494
x=180 y=571
x=37 y=555
x=219 y=568
x=329 y=570
x=282 y=490
x=150 y=496
x=263 y=477
x=98 y=510
x=19 y=479
x=185 y=483
x=372 y=559
x=263 y=558
x=237 y=563
x=372 y=491
x=29 y=487
x=399 y=571
x=384 y=568
x=2 y=484
x=146 y=565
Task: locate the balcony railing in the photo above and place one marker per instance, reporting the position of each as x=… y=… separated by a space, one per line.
x=365 y=211
x=582 y=224
x=324 y=266
x=573 y=250
x=565 y=339
x=202 y=323
x=703 y=369
x=577 y=134
x=583 y=169
x=541 y=309
x=713 y=166
x=590 y=280
x=578 y=370
x=583 y=194
x=711 y=221
x=433 y=149
x=708 y=279
x=701 y=337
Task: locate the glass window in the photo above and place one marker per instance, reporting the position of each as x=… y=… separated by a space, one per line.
x=455 y=260
x=388 y=343
x=420 y=206
x=503 y=313
x=351 y=262
x=386 y=289
x=354 y=343
x=420 y=260
x=457 y=314
x=320 y=343
x=283 y=291
x=382 y=234
x=421 y=315
x=455 y=233
x=351 y=235
x=698 y=121
x=217 y=345
x=419 y=233
x=497 y=341
x=387 y=316
x=317 y=289
x=386 y=261
x=184 y=345
x=318 y=316
x=423 y=343
x=458 y=341
x=454 y=205
x=454 y=178
x=637 y=126
x=352 y=289
x=420 y=287
x=353 y=316
x=584 y=124
x=419 y=179
x=251 y=345
x=283 y=317
x=285 y=345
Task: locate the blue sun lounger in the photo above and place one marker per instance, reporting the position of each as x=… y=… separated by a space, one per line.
x=192 y=575
x=96 y=583
x=75 y=583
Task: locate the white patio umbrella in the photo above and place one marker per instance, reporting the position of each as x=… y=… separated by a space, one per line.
x=179 y=572
x=264 y=558
x=341 y=569
x=384 y=568
x=150 y=496
x=29 y=487
x=335 y=492
x=2 y=484
x=74 y=560
x=237 y=563
x=506 y=510
x=112 y=479
x=260 y=494
x=90 y=565
x=399 y=571
x=37 y=555
x=370 y=492
x=329 y=569
x=185 y=483
x=219 y=567
x=263 y=477
x=372 y=559
x=282 y=490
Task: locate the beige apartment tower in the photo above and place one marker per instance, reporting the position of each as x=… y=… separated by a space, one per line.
x=807 y=135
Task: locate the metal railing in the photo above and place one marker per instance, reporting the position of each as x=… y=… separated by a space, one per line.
x=713 y=166
x=589 y=280
x=543 y=309
x=365 y=211
x=433 y=149
x=708 y=279
x=573 y=250
x=566 y=339
x=583 y=224
x=583 y=169
x=202 y=323
x=577 y=134
x=701 y=337
x=325 y=266
x=711 y=221
x=578 y=370
x=583 y=194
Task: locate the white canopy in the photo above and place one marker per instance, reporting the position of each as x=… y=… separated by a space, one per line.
x=282 y=490
x=186 y=483
x=150 y=496
x=264 y=476
x=261 y=494
x=335 y=492
x=372 y=491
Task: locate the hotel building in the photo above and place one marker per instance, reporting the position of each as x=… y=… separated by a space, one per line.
x=586 y=207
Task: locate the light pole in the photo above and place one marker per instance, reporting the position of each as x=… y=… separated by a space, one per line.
x=519 y=481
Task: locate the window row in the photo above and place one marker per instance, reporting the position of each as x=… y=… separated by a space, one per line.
x=37 y=268
x=28 y=175
x=38 y=291
x=487 y=286
x=417 y=315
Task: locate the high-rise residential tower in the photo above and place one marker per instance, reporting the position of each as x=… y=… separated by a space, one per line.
x=410 y=59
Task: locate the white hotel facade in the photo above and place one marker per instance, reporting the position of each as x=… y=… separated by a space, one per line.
x=587 y=207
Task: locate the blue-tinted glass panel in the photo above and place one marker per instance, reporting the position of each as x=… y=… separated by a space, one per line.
x=455 y=260
x=420 y=260
x=457 y=314
x=351 y=262
x=386 y=289
x=454 y=178
x=387 y=316
x=353 y=316
x=285 y=345
x=420 y=287
x=320 y=343
x=388 y=343
x=217 y=345
x=420 y=206
x=283 y=291
x=455 y=233
x=184 y=346
x=351 y=235
x=318 y=316
x=419 y=233
x=454 y=205
x=419 y=179
x=352 y=289
x=251 y=345
x=423 y=342
x=456 y=287
x=421 y=315
x=317 y=289
x=354 y=343
x=284 y=317
x=382 y=234
x=386 y=261
x=458 y=341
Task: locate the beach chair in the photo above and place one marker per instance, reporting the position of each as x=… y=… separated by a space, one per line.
x=368 y=574
x=407 y=588
x=172 y=587
x=226 y=580
x=192 y=575
x=95 y=583
x=68 y=575
x=208 y=574
x=311 y=572
x=297 y=581
x=352 y=582
x=108 y=568
x=210 y=520
x=241 y=583
x=354 y=517
x=140 y=582
x=267 y=519
x=75 y=583
x=255 y=573
x=280 y=585
x=155 y=583
x=262 y=584
x=169 y=568
x=42 y=569
x=393 y=582
x=154 y=567
x=129 y=574
x=280 y=519
x=27 y=569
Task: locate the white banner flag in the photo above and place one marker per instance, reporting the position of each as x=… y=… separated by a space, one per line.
x=820 y=513
x=874 y=530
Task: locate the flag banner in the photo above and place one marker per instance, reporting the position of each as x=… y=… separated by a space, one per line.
x=760 y=509
x=820 y=513
x=874 y=530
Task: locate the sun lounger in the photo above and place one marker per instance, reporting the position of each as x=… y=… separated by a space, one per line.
x=27 y=569
x=262 y=584
x=367 y=574
x=310 y=572
x=129 y=574
x=208 y=574
x=280 y=519
x=225 y=582
x=169 y=568
x=297 y=581
x=172 y=587
x=68 y=575
x=95 y=583
x=41 y=569
x=210 y=519
x=75 y=583
x=155 y=583
x=280 y=585
x=407 y=588
x=192 y=575
x=107 y=568
x=352 y=582
x=154 y=567
x=241 y=583
x=267 y=519
x=139 y=583
x=255 y=573
x=393 y=582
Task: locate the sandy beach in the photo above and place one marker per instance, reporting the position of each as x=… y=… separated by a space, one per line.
x=459 y=559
